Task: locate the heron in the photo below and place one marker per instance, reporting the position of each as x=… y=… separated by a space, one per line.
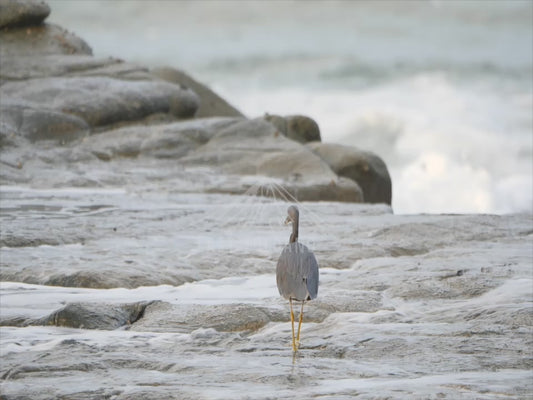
x=296 y=273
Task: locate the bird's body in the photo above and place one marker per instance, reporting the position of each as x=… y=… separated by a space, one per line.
x=296 y=272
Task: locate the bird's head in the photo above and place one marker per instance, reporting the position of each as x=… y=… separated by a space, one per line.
x=292 y=214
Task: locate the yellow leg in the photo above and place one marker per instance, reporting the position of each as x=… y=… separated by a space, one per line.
x=300 y=324
x=294 y=348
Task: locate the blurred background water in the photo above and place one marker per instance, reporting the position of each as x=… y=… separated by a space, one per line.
x=441 y=90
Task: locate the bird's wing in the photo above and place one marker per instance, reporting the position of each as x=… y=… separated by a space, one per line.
x=311 y=273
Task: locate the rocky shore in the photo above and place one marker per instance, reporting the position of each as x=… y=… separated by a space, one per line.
x=141 y=220
x=56 y=94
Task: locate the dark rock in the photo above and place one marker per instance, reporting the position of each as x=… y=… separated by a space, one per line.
x=101 y=101
x=40 y=40
x=296 y=127
x=171 y=140
x=22 y=12
x=211 y=104
x=94 y=315
x=186 y=318
x=255 y=147
x=36 y=123
x=363 y=167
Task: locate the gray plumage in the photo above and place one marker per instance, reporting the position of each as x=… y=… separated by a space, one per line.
x=297 y=269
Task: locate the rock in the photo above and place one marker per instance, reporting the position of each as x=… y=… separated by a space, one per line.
x=171 y=140
x=451 y=292
x=40 y=40
x=43 y=66
x=296 y=127
x=49 y=65
x=363 y=167
x=35 y=123
x=255 y=147
x=340 y=189
x=211 y=104
x=125 y=273
x=129 y=276
x=22 y=12
x=94 y=315
x=165 y=317
x=118 y=69
x=100 y=101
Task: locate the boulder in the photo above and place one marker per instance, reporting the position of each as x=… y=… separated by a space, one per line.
x=117 y=69
x=340 y=189
x=22 y=12
x=186 y=318
x=35 y=123
x=100 y=101
x=49 y=65
x=170 y=140
x=161 y=316
x=211 y=104
x=29 y=67
x=255 y=147
x=296 y=127
x=363 y=167
x=94 y=315
x=40 y=40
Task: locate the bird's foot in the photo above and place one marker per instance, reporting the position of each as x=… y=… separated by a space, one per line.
x=295 y=345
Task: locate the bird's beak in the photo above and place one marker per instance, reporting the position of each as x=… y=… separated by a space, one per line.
x=288 y=220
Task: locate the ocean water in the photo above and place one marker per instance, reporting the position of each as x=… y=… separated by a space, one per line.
x=441 y=90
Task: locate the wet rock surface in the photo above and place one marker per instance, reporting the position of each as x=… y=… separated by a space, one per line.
x=421 y=305
x=139 y=243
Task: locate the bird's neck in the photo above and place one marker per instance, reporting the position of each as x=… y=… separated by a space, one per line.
x=294 y=234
